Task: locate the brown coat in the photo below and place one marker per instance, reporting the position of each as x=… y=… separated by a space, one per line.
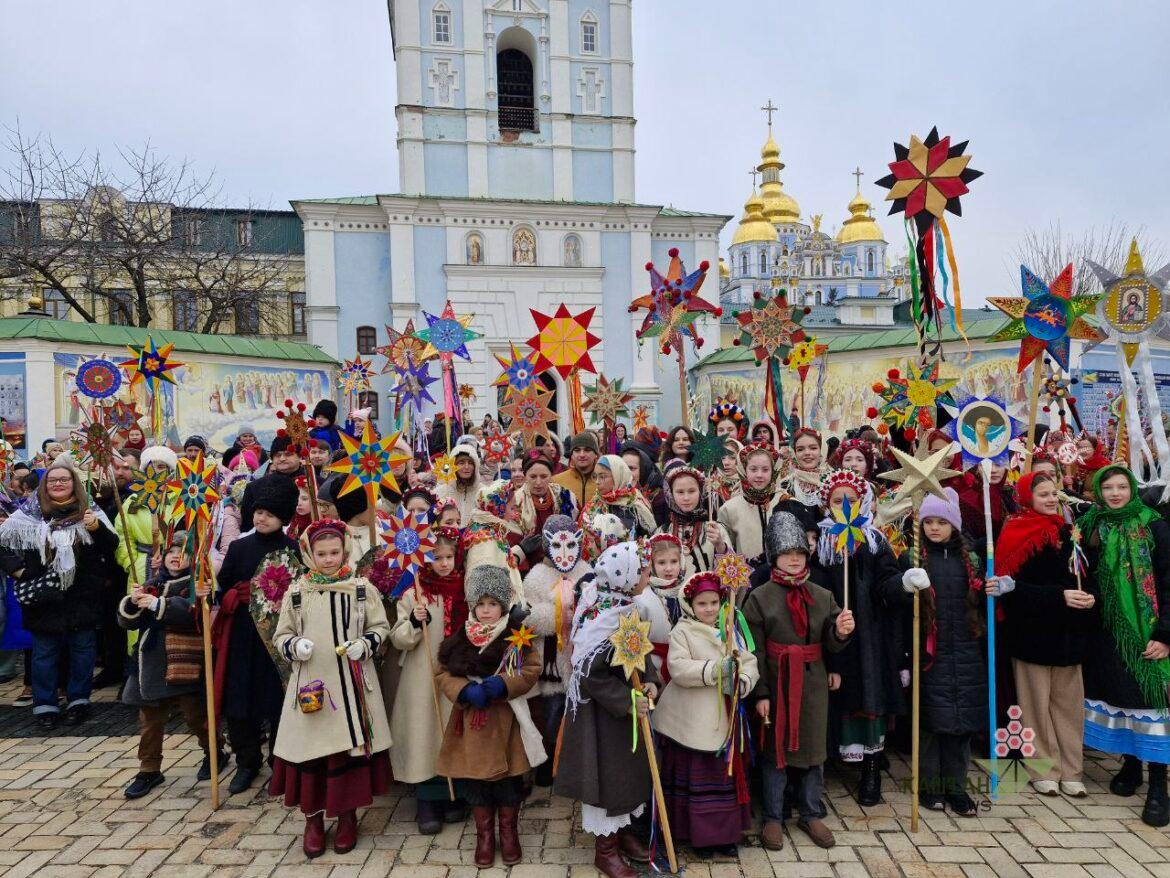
x=495 y=750
x=769 y=619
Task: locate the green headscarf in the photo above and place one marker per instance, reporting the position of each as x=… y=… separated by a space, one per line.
x=1125 y=578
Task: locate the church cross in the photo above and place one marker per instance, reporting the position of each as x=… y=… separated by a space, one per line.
x=858 y=173
x=754 y=172
x=769 y=108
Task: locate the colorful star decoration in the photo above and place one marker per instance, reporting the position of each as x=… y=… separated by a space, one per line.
x=413 y=382
x=522 y=637
x=193 y=492
x=529 y=412
x=673 y=305
x=606 y=401
x=496 y=447
x=1045 y=317
x=444 y=469
x=447 y=335
x=98 y=378
x=979 y=439
x=848 y=527
x=563 y=341
x=733 y=571
x=641 y=417
x=769 y=327
x=919 y=476
x=409 y=542
x=928 y=178
x=368 y=463
x=631 y=644
x=403 y=347
x=1131 y=305
x=910 y=400
x=804 y=354
x=124 y=416
x=708 y=450
x=355 y=375
x=96 y=444
x=151 y=487
x=519 y=371
x=150 y=364
x=467 y=393
x=295 y=428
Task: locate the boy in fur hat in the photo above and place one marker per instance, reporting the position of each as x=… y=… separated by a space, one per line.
x=792 y=621
x=490 y=740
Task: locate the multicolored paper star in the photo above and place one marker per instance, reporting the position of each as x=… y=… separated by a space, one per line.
x=409 y=541
x=447 y=335
x=804 y=354
x=98 y=378
x=928 y=177
x=708 y=450
x=770 y=327
x=496 y=447
x=151 y=487
x=529 y=412
x=368 y=463
x=641 y=417
x=522 y=637
x=295 y=428
x=355 y=376
x=631 y=644
x=192 y=488
x=444 y=469
x=673 y=305
x=151 y=364
x=413 y=382
x=733 y=571
x=911 y=399
x=563 y=341
x=403 y=347
x=124 y=416
x=96 y=445
x=1045 y=317
x=983 y=427
x=848 y=528
x=519 y=371
x=606 y=401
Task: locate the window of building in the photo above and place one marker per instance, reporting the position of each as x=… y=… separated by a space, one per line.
x=296 y=304
x=185 y=311
x=588 y=35
x=368 y=399
x=743 y=264
x=193 y=231
x=367 y=339
x=244 y=232
x=55 y=304
x=121 y=307
x=869 y=260
x=763 y=263
x=247 y=317
x=517 y=105
x=108 y=229
x=442 y=22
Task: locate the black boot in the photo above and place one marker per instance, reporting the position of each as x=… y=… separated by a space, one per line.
x=429 y=817
x=1127 y=781
x=1157 y=809
x=869 y=791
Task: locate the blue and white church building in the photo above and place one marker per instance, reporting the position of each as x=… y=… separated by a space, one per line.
x=516 y=155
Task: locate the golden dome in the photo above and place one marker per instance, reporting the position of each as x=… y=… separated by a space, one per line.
x=860 y=226
x=779 y=206
x=753 y=228
x=724 y=271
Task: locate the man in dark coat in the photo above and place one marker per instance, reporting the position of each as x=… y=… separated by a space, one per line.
x=283 y=466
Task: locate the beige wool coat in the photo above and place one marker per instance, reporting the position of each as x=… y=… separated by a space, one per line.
x=329 y=617
x=413 y=725
x=691 y=709
x=745 y=522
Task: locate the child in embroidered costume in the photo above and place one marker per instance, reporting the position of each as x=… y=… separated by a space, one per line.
x=550 y=588
x=702 y=539
x=746 y=514
x=490 y=740
x=707 y=806
x=166 y=667
x=597 y=766
x=413 y=724
x=660 y=603
x=331 y=749
x=793 y=620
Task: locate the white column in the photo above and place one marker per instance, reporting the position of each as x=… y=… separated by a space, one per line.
x=643 y=382
x=321 y=307
x=40 y=393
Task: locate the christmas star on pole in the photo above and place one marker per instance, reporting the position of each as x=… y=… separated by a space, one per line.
x=519 y=371
x=403 y=347
x=529 y=413
x=413 y=382
x=606 y=401
x=563 y=341
x=918 y=477
x=909 y=401
x=447 y=335
x=151 y=364
x=193 y=492
x=369 y=462
x=631 y=644
x=1045 y=317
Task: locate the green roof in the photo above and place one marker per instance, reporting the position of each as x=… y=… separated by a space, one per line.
x=977 y=323
x=104 y=335
x=370 y=200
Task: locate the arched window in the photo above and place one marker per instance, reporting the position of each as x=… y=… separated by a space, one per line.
x=516 y=93
x=588 y=34
x=869 y=260
x=367 y=339
x=743 y=265
x=441 y=23
x=763 y=263
x=523 y=247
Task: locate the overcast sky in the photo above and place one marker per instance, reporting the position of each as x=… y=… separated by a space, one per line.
x=1066 y=102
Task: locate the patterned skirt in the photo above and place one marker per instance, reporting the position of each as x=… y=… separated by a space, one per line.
x=1143 y=732
x=701 y=798
x=332 y=784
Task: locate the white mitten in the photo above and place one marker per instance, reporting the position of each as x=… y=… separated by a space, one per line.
x=1001 y=585
x=303 y=649
x=915 y=579
x=356 y=650
x=904 y=678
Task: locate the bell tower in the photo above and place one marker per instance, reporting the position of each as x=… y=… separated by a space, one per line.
x=515 y=99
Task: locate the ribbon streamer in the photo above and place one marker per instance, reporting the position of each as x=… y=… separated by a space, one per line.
x=1138 y=447
x=1145 y=368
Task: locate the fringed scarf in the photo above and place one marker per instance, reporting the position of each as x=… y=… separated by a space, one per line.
x=449 y=591
x=1125 y=577
x=53 y=537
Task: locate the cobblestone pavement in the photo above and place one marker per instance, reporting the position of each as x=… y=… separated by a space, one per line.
x=62 y=814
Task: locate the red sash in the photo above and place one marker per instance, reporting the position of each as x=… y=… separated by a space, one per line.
x=788 y=715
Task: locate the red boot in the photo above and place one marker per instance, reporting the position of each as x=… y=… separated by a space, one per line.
x=510 y=836
x=345 y=835
x=485 y=836
x=314 y=844
x=608 y=861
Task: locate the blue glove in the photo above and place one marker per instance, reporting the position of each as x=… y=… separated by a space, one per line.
x=495 y=688
x=473 y=694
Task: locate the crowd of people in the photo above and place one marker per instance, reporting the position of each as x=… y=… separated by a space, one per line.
x=362 y=677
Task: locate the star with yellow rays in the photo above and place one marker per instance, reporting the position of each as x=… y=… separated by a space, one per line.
x=631 y=644
x=919 y=476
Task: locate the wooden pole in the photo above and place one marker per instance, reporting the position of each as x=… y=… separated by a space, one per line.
x=914 y=693
x=988 y=573
x=682 y=390
x=204 y=586
x=420 y=602
x=311 y=486
x=1037 y=381
x=845 y=582
x=659 y=798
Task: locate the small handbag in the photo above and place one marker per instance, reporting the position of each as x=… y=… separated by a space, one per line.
x=184 y=658
x=311 y=697
x=39 y=590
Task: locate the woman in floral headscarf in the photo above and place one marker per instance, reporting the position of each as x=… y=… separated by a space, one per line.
x=746 y=515
x=616 y=493
x=1126 y=668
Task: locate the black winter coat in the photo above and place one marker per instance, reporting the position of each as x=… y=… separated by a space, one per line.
x=1041 y=628
x=954 y=685
x=876 y=652
x=1106 y=676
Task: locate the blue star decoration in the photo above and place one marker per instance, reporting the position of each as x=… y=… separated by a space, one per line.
x=983 y=427
x=447 y=335
x=413 y=382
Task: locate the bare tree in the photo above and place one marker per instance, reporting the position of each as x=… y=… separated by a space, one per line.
x=131 y=235
x=1047 y=251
